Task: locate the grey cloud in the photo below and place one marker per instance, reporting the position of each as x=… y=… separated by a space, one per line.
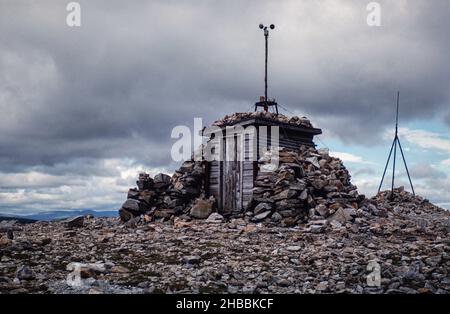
x=364 y=171
x=143 y=68
x=425 y=171
x=447 y=119
x=437 y=190
x=115 y=87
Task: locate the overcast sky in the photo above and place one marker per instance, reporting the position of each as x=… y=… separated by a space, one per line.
x=84 y=109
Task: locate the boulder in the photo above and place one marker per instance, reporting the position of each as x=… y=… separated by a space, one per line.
x=202 y=208
x=146 y=197
x=161 y=180
x=192 y=259
x=285 y=195
x=187 y=166
x=24 y=273
x=276 y=217
x=125 y=215
x=144 y=182
x=131 y=205
x=322 y=210
x=4 y=242
x=294 y=248
x=304 y=195
x=262 y=207
x=261 y=216
x=75 y=222
x=89 y=270
x=342 y=215
x=215 y=218
x=164 y=213
x=314 y=161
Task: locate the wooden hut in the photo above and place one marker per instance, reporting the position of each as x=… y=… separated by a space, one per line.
x=231 y=181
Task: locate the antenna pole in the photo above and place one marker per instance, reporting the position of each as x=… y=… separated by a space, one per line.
x=396 y=117
x=263 y=100
x=266 y=35
x=394 y=148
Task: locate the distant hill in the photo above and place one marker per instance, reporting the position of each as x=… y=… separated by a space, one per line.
x=18 y=219
x=57 y=215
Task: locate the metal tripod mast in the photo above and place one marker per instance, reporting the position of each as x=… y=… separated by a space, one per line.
x=396 y=142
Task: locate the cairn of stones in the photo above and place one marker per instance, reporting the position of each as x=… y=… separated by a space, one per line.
x=308 y=184
x=163 y=197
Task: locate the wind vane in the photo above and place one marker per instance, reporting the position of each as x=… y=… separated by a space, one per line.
x=394 y=147
x=263 y=100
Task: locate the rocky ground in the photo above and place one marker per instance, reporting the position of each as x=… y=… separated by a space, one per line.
x=406 y=236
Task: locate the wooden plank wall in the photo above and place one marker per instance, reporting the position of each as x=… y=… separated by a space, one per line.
x=247 y=170
x=214 y=180
x=231 y=183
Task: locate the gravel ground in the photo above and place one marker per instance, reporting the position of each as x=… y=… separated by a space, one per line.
x=409 y=245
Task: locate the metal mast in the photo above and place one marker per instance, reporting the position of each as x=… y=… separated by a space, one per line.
x=264 y=101
x=266 y=36
x=394 y=148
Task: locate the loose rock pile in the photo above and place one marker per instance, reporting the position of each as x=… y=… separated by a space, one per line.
x=308 y=184
x=163 y=197
x=412 y=207
x=241 y=116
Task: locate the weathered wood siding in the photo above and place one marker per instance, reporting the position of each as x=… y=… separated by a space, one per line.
x=232 y=182
x=231 y=187
x=214 y=179
x=248 y=167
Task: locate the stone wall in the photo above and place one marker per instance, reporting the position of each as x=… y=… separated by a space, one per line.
x=163 y=197
x=308 y=184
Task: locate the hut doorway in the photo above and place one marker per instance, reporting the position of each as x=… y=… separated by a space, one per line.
x=231 y=170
